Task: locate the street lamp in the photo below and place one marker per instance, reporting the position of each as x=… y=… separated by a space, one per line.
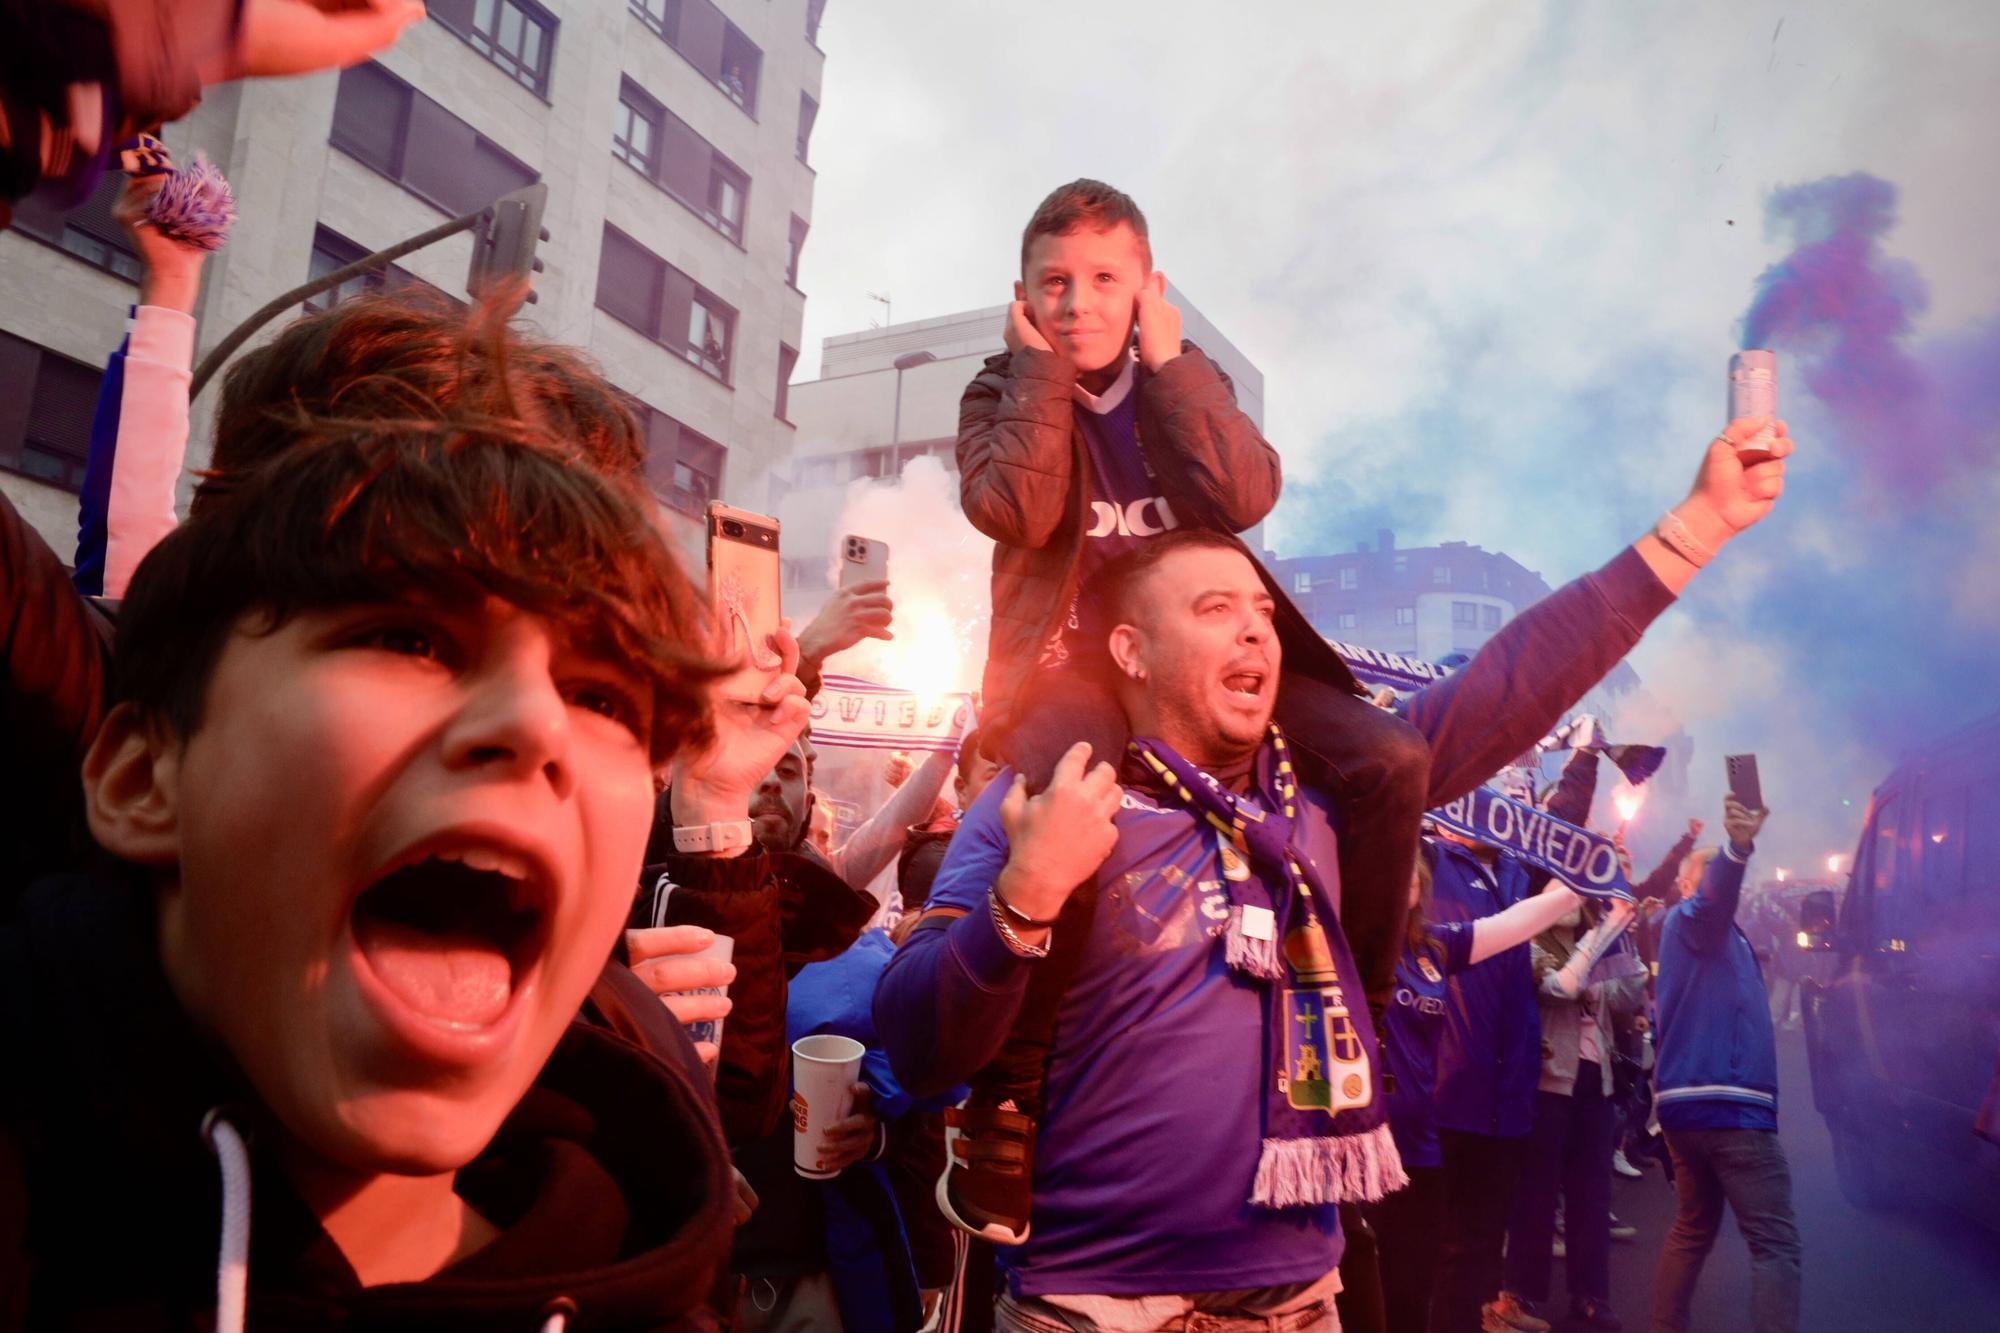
x=907 y=361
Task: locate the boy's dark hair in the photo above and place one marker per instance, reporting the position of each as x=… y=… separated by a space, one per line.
x=394 y=498
x=968 y=747
x=1115 y=586
x=1085 y=203
x=416 y=355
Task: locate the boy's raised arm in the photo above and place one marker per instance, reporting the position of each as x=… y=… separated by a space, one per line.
x=1014 y=448
x=1205 y=448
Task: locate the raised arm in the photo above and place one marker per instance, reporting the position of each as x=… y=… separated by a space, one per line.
x=1655 y=884
x=1711 y=912
x=1015 y=454
x=138 y=439
x=1544 y=660
x=1570 y=980
x=950 y=995
x=1520 y=923
x=948 y=998
x=1203 y=447
x=873 y=846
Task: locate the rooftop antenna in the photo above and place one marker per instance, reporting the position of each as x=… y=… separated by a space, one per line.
x=887 y=309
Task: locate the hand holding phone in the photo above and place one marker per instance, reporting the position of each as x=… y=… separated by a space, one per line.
x=743 y=580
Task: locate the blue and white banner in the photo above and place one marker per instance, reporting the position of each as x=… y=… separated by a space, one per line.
x=1374 y=667
x=859 y=714
x=1585 y=861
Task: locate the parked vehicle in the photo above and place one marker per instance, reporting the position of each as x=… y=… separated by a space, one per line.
x=1904 y=1039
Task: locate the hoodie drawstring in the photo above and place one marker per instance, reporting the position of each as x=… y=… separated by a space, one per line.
x=232 y=1265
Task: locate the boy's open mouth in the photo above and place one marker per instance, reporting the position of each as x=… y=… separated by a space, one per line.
x=452 y=933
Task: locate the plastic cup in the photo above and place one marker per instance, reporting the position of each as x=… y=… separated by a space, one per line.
x=824 y=1067
x=710 y=1029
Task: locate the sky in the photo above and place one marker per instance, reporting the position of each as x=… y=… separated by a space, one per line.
x=1492 y=262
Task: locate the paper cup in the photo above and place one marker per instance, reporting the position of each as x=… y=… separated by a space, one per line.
x=824 y=1068
x=710 y=1029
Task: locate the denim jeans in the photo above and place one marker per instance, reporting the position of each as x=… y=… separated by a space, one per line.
x=1746 y=1169
x=1306 y=1307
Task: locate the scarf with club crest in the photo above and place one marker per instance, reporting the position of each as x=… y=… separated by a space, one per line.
x=1325 y=1132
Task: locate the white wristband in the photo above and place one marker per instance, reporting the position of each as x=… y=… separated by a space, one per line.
x=722 y=837
x=1680 y=539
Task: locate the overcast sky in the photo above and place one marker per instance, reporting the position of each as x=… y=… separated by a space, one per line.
x=1491 y=261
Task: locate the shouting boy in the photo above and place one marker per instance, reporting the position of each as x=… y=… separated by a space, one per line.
x=372 y=793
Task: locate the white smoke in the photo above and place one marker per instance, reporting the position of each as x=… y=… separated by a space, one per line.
x=939 y=577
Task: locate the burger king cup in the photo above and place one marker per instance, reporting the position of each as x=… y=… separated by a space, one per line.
x=824 y=1068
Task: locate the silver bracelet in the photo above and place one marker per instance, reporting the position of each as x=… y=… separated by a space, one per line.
x=1014 y=943
x=1680 y=539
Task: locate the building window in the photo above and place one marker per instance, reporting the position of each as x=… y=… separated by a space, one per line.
x=741 y=61
x=1302 y=581
x=1348 y=620
x=47 y=402
x=330 y=251
x=386 y=125
x=1441 y=575
x=1489 y=617
x=87 y=231
x=706 y=39
x=683 y=466
x=710 y=325
x=1465 y=613
x=875 y=463
x=662 y=147
x=808 y=113
x=1406 y=615
x=638 y=288
x=1402 y=564
x=1350 y=578
x=517 y=35
x=636 y=140
x=799 y=229
x=726 y=187
x=819 y=472
x=788 y=358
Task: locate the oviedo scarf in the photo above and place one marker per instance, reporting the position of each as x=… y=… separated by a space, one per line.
x=1325 y=1133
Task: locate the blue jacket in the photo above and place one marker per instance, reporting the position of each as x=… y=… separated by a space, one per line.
x=1490 y=1054
x=1718 y=1057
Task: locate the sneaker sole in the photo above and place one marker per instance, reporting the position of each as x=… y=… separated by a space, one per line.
x=993 y=1232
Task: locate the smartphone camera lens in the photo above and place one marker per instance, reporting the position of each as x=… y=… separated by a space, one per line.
x=731 y=528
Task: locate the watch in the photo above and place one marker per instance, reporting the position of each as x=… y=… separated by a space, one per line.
x=727 y=836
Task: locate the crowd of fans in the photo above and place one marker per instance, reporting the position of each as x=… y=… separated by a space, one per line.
x=375 y=826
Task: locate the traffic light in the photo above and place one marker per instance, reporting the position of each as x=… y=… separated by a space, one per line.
x=503 y=245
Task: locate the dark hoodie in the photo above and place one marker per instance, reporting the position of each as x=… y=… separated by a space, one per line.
x=609 y=1182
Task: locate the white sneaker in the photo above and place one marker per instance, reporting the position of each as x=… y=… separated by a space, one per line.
x=1623 y=1167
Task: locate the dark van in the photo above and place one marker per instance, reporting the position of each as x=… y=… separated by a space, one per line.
x=1905 y=1038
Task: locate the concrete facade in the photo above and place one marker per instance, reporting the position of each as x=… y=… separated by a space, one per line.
x=271 y=139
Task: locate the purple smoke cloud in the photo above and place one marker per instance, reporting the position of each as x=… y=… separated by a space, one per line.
x=1842 y=312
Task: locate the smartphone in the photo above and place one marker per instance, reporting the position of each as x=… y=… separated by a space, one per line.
x=1743 y=783
x=743 y=577
x=862 y=561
